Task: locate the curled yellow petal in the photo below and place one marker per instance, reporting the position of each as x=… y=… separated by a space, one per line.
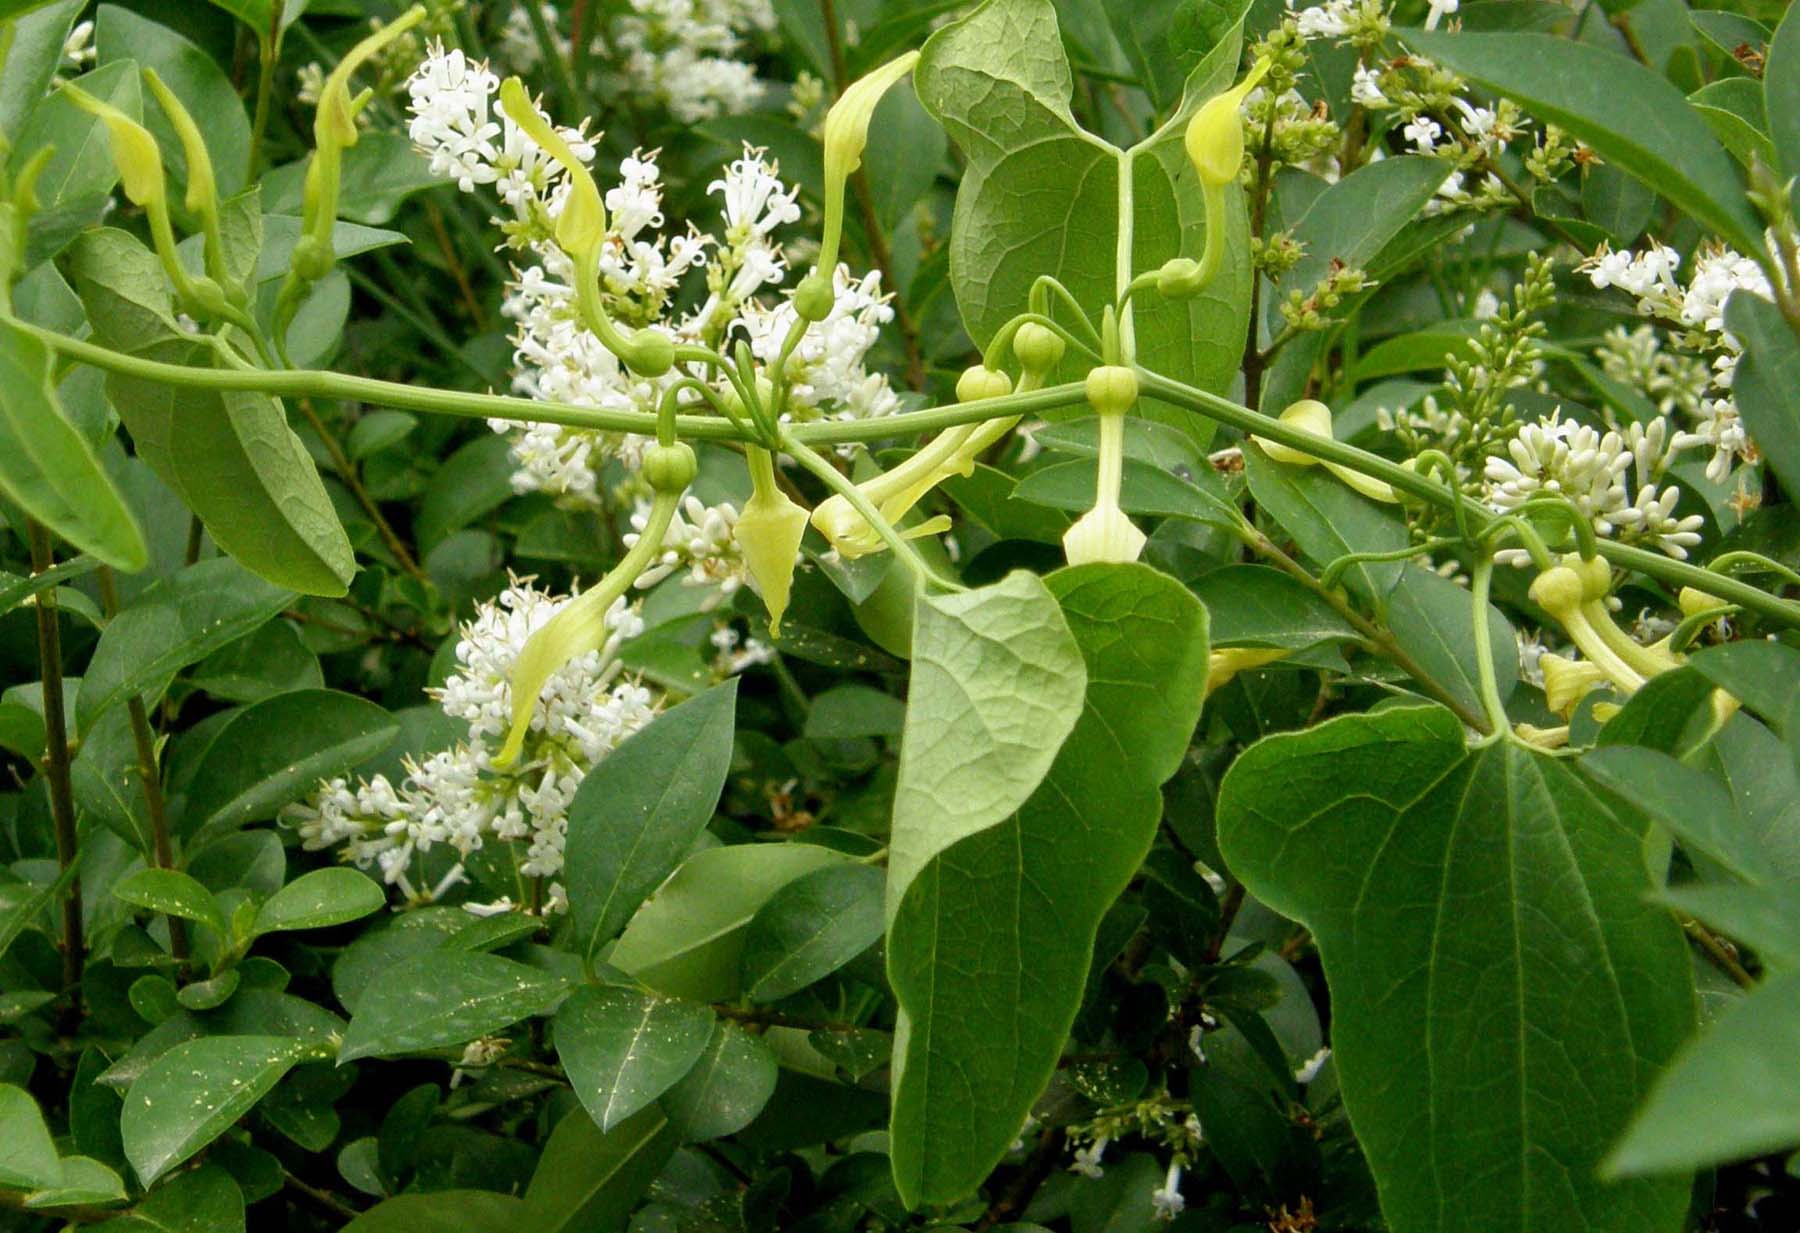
x=581 y=227
x=133 y=148
x=846 y=136
x=334 y=124
x=1215 y=136
x=1227 y=662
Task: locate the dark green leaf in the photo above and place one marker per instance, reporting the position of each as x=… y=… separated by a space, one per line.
x=444 y=998
x=1781 y=94
x=1632 y=116
x=1433 y=619
x=180 y=620
x=27 y=1156
x=622 y=1049
x=1476 y=911
x=688 y=939
x=320 y=899
x=810 y=928
x=193 y=1093
x=1766 y=386
x=1728 y=1095
x=638 y=813
x=172 y=893
x=1328 y=520
x=272 y=753
x=47 y=467
x=726 y=1088
x=589 y=1182
x=1254 y=605
x=445 y=1211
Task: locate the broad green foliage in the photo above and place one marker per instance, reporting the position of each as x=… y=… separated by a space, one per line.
x=1439 y=882
x=1043 y=196
x=988 y=985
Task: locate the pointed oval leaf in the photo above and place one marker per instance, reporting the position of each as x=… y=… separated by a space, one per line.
x=27 y=1155
x=46 y=465
x=810 y=928
x=638 y=813
x=443 y=998
x=172 y=893
x=181 y=619
x=623 y=1048
x=727 y=1087
x=275 y=751
x=320 y=899
x=193 y=1093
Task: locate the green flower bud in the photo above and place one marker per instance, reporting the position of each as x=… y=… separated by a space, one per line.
x=670 y=468
x=1558 y=590
x=649 y=353
x=1111 y=389
x=1038 y=347
x=977 y=383
x=1596 y=576
x=815 y=297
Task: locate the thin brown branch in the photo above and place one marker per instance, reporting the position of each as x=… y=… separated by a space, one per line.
x=56 y=761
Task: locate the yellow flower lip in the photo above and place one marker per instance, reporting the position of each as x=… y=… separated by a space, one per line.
x=1215 y=136
x=1311 y=416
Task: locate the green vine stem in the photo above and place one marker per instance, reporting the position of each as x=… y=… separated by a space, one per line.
x=322 y=384
x=1677 y=573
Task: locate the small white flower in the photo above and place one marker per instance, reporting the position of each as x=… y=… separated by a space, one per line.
x=1166 y=1202
x=1310 y=1068
x=1087 y=1159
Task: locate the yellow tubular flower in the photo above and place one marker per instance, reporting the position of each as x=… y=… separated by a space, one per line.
x=580 y=626
x=133 y=149
x=1309 y=415
x=1215 y=136
x=846 y=136
x=1561 y=592
x=202 y=199
x=1227 y=662
x=1105 y=533
x=768 y=533
x=1567 y=681
x=894 y=493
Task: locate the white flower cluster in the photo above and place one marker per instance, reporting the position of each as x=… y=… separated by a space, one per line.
x=688 y=56
x=1697 y=311
x=701 y=538
x=457 y=796
x=458 y=125
x=1612 y=477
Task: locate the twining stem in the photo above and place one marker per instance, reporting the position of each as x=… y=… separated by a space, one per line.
x=143 y=738
x=268 y=56
x=301 y=382
x=1411 y=483
x=1481 y=583
x=56 y=759
x=1378 y=637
